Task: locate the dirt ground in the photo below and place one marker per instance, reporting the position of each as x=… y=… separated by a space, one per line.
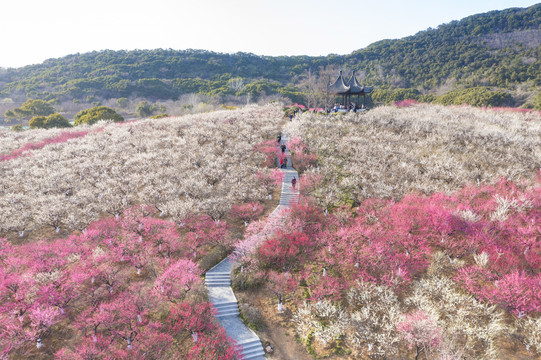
x=276 y=328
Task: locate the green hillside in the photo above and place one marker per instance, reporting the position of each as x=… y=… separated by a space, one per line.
x=498 y=49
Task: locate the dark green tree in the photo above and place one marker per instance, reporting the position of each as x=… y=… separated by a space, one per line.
x=93 y=115
x=56 y=121
x=144 y=109
x=123 y=102
x=36 y=107
x=37 y=122
x=47 y=122
x=477 y=96
x=30 y=108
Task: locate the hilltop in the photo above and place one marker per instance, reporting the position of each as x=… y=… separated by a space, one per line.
x=499 y=50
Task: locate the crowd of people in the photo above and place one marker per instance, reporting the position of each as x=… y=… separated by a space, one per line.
x=343 y=108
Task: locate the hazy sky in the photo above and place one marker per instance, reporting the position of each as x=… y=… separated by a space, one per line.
x=34 y=30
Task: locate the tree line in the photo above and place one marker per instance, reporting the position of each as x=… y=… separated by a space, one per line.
x=496 y=49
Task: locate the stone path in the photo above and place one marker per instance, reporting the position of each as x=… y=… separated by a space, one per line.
x=218 y=279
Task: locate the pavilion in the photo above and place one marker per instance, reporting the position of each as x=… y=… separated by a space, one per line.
x=346 y=89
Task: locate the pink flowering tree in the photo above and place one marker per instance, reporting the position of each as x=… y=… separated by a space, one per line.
x=270 y=150
x=282 y=285
x=246 y=212
x=300 y=156
x=323 y=284
x=192 y=318
x=217 y=346
x=269 y=180
x=177 y=280
x=28 y=147
x=421 y=332
x=285 y=251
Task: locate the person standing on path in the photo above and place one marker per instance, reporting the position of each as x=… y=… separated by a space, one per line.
x=293 y=182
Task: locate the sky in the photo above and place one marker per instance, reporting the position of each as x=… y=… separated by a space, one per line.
x=32 y=31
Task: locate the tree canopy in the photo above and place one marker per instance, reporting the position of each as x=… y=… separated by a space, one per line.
x=93 y=115
x=46 y=122
x=32 y=107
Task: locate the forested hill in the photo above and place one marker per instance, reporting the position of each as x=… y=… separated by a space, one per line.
x=499 y=49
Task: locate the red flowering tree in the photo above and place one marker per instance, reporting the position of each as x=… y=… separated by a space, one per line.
x=285 y=251
x=282 y=285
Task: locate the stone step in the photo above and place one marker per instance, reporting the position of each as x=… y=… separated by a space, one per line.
x=227 y=313
x=212 y=278
x=228 y=303
x=209 y=273
x=218 y=284
x=217 y=281
x=225 y=307
x=255 y=345
x=227 y=280
x=256 y=354
x=249 y=344
x=216 y=278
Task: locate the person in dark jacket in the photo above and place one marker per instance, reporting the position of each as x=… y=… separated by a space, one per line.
x=293 y=182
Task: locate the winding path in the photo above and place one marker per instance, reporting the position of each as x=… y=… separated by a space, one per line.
x=218 y=279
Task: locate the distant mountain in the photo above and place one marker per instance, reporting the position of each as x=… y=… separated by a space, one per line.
x=498 y=49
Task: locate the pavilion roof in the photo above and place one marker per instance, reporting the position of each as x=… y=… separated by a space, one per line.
x=339 y=86
x=354 y=86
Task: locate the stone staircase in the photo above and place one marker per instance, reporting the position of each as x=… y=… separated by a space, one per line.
x=218 y=279
x=226 y=309
x=252 y=350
